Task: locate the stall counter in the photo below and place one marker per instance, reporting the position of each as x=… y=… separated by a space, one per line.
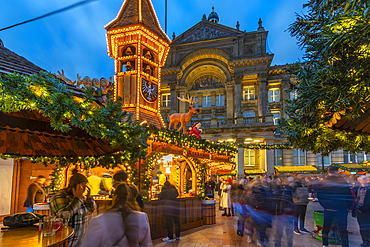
x=190 y=215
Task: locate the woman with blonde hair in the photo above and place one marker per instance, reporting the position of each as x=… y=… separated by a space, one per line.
x=120 y=225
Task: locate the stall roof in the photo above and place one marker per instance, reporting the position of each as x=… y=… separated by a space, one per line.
x=29 y=133
x=360 y=124
x=254 y=172
x=352 y=167
x=296 y=169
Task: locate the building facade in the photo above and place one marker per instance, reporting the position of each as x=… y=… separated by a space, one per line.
x=240 y=95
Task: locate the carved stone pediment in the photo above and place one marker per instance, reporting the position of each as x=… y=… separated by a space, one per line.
x=205 y=32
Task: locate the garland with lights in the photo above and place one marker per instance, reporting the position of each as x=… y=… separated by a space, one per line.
x=266 y=146
x=177 y=138
x=147 y=169
x=352 y=167
x=47 y=95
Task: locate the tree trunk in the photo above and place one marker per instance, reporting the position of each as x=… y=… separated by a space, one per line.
x=322 y=164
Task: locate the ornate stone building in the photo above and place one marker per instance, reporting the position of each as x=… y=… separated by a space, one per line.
x=240 y=95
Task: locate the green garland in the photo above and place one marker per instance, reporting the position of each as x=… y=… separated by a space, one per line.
x=46 y=94
x=177 y=138
x=266 y=146
x=146 y=171
x=355 y=167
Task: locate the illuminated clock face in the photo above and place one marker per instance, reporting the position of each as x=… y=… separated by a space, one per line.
x=149 y=90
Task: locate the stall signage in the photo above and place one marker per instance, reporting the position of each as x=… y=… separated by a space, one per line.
x=220 y=158
x=166 y=148
x=197 y=154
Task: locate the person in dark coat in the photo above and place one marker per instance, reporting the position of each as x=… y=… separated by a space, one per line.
x=171 y=210
x=219 y=191
x=336 y=198
x=300 y=199
x=35 y=193
x=362 y=209
x=284 y=210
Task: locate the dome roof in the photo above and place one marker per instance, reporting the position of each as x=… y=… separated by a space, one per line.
x=213 y=16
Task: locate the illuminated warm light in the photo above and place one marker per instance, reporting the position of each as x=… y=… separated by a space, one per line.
x=256 y=140
x=143 y=122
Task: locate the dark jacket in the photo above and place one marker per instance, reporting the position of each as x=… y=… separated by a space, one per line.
x=35 y=194
x=169 y=201
x=286 y=205
x=218 y=188
x=334 y=193
x=365 y=209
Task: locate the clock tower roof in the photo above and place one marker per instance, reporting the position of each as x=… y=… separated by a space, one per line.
x=138 y=12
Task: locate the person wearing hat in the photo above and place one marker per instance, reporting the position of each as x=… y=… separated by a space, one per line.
x=71 y=203
x=336 y=198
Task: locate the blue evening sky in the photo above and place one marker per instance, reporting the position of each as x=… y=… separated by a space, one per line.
x=75 y=40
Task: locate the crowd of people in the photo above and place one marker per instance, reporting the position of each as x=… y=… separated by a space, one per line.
x=277 y=202
x=280 y=202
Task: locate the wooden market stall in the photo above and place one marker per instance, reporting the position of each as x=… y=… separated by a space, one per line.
x=254 y=172
x=352 y=168
x=296 y=169
x=187 y=169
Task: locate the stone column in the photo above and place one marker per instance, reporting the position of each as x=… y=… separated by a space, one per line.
x=240 y=159
x=237 y=94
x=288 y=158
x=182 y=94
x=173 y=99
x=268 y=158
x=240 y=163
x=213 y=99
x=230 y=100
x=262 y=94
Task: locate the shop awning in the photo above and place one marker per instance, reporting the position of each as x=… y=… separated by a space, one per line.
x=296 y=169
x=254 y=172
x=352 y=167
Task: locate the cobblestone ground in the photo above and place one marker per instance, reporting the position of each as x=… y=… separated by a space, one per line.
x=223 y=233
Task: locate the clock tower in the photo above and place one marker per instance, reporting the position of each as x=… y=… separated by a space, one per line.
x=139 y=47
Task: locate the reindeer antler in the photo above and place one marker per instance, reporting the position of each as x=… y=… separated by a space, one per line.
x=63 y=77
x=190 y=100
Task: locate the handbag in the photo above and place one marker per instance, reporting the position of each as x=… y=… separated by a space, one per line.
x=22 y=219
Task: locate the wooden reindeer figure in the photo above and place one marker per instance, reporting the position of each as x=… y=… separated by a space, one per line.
x=183 y=118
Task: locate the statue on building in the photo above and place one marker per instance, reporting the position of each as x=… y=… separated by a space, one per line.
x=213 y=112
x=240 y=111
